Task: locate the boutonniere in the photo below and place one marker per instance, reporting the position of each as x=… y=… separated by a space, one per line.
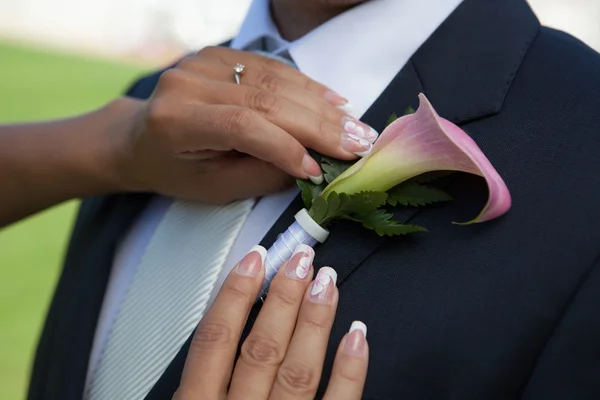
x=410 y=153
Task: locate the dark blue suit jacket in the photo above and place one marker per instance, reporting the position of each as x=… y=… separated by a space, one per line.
x=503 y=310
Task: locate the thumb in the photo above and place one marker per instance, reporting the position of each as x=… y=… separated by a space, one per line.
x=245 y=177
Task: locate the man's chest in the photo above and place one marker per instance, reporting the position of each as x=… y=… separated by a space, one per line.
x=461 y=310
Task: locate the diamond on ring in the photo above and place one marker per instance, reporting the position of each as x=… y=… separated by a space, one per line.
x=239 y=68
x=239 y=71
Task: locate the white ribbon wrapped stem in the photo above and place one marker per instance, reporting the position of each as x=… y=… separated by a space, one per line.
x=303 y=231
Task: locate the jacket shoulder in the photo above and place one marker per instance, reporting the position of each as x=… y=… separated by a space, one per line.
x=559 y=79
x=562 y=41
x=558 y=56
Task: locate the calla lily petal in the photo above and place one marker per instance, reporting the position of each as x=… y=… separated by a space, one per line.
x=419 y=143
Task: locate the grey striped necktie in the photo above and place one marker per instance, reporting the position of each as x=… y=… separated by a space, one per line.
x=167 y=297
x=168 y=294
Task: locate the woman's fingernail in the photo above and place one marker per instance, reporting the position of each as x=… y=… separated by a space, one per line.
x=323 y=285
x=347 y=108
x=312 y=169
x=317 y=180
x=335 y=99
x=353 y=126
x=299 y=265
x=252 y=263
x=356 y=339
x=355 y=144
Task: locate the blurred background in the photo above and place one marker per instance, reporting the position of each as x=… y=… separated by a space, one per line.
x=62 y=57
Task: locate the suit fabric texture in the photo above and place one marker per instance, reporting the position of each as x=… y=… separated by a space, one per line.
x=503 y=310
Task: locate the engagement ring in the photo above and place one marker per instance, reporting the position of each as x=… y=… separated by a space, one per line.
x=238 y=69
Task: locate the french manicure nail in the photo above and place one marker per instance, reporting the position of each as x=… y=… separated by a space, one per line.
x=335 y=99
x=317 y=180
x=299 y=265
x=372 y=135
x=252 y=263
x=356 y=144
x=356 y=339
x=353 y=126
x=323 y=285
x=347 y=108
x=312 y=169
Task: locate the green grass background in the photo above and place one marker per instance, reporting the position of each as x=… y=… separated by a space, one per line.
x=37 y=85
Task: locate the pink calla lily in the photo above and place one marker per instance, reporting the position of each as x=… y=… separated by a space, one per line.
x=419 y=143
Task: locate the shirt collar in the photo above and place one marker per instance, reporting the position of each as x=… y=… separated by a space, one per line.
x=360 y=51
x=257 y=24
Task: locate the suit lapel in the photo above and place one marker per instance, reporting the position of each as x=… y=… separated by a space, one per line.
x=467 y=66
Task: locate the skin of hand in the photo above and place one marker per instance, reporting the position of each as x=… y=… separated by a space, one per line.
x=200 y=130
x=282 y=357
x=200 y=136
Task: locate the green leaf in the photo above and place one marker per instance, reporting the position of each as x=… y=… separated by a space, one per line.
x=391 y=119
x=310 y=191
x=382 y=223
x=361 y=207
x=334 y=203
x=333 y=168
x=337 y=206
x=363 y=202
x=319 y=210
x=343 y=205
x=409 y=110
x=414 y=194
x=394 y=116
x=306 y=192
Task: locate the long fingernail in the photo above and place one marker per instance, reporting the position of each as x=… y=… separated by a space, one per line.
x=358 y=128
x=299 y=265
x=336 y=99
x=252 y=263
x=356 y=145
x=323 y=285
x=347 y=108
x=312 y=169
x=356 y=339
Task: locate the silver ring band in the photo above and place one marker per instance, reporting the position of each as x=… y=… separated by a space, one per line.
x=238 y=70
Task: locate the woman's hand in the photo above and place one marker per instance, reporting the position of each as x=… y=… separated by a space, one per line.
x=282 y=358
x=200 y=136
x=204 y=137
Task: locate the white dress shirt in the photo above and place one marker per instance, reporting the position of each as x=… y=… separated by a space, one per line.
x=357 y=54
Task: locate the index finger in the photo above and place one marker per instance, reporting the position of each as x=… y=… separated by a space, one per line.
x=213 y=349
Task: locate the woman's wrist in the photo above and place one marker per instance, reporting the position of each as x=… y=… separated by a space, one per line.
x=112 y=162
x=43 y=164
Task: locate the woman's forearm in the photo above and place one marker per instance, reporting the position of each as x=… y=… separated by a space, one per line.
x=43 y=164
